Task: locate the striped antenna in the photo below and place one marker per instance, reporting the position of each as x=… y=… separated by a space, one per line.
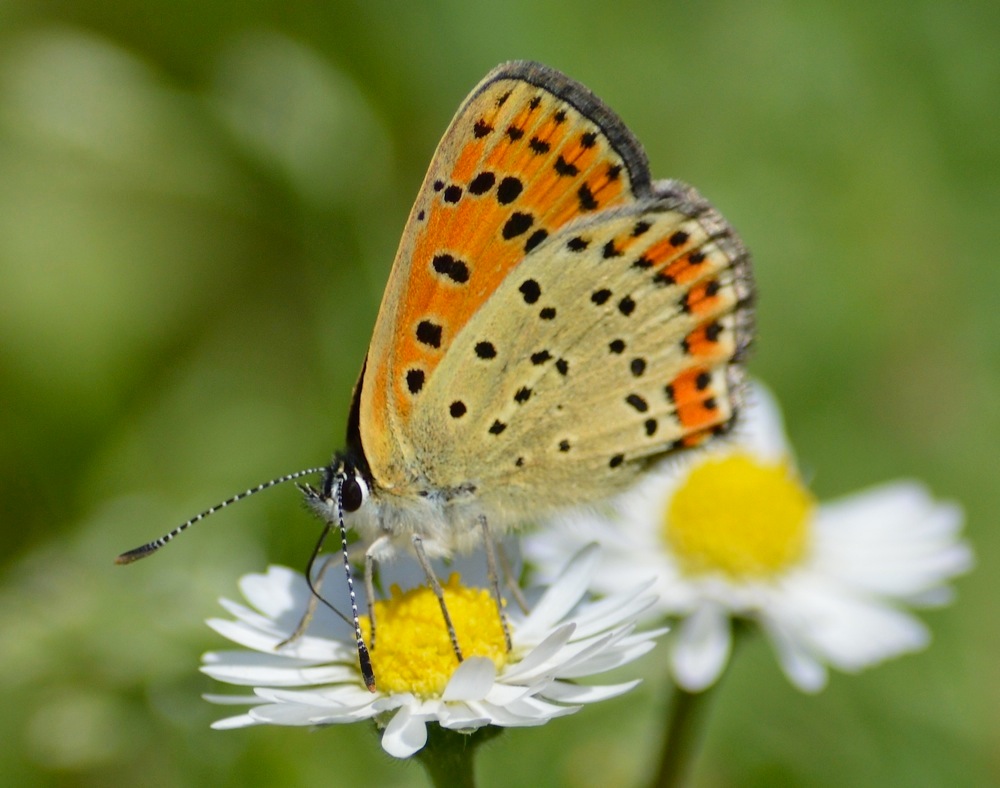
x=364 y=658
x=151 y=547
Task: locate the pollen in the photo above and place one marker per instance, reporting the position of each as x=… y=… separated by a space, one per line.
x=740 y=517
x=413 y=652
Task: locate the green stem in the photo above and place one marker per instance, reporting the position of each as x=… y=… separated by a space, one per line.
x=449 y=756
x=684 y=728
x=686 y=722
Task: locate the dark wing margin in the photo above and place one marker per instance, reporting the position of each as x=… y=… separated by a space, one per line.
x=584 y=101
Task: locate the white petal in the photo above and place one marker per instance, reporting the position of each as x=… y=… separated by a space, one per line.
x=762 y=430
x=849 y=631
x=320 y=649
x=231 y=700
x=503 y=694
x=350 y=697
x=229 y=723
x=575 y=653
x=563 y=595
x=291 y=676
x=540 y=654
x=700 y=649
x=254 y=659
x=405 y=734
x=298 y=714
x=527 y=713
x=251 y=618
x=607 y=660
x=603 y=654
x=274 y=593
x=893 y=540
x=612 y=611
x=394 y=701
x=306 y=648
x=245 y=635
x=565 y=692
x=538 y=710
x=892 y=633
x=797 y=662
x=471 y=680
x=505 y=717
x=462 y=716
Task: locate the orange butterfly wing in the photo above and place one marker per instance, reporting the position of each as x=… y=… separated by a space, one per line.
x=516 y=163
x=528 y=154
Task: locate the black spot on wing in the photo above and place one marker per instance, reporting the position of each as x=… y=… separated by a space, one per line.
x=508 y=190
x=516 y=225
x=414 y=380
x=534 y=239
x=429 y=333
x=486 y=350
x=448 y=266
x=531 y=291
x=482 y=183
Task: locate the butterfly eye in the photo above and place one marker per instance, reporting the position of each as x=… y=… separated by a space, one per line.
x=353 y=493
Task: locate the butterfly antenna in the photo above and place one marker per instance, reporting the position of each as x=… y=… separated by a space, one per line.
x=151 y=547
x=364 y=659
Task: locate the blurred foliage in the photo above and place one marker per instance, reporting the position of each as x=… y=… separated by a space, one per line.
x=199 y=203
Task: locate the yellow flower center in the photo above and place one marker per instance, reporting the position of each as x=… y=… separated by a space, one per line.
x=738 y=516
x=413 y=652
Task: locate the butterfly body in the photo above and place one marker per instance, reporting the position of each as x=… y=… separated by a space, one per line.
x=553 y=323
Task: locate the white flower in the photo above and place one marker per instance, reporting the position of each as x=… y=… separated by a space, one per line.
x=315 y=680
x=732 y=532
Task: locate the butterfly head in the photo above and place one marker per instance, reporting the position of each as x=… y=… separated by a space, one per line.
x=345 y=489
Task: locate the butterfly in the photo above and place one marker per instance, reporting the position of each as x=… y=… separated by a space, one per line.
x=554 y=323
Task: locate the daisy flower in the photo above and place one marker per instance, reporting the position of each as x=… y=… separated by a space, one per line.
x=315 y=680
x=733 y=533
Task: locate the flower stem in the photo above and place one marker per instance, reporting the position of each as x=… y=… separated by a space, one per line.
x=449 y=756
x=687 y=710
x=687 y=714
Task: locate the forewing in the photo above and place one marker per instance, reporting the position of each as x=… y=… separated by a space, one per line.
x=528 y=153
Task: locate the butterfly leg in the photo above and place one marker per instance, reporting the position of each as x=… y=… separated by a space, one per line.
x=371 y=563
x=510 y=577
x=435 y=584
x=491 y=568
x=307 y=617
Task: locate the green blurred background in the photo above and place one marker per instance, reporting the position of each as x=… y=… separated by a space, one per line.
x=199 y=203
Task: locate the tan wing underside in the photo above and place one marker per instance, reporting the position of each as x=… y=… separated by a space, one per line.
x=624 y=354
